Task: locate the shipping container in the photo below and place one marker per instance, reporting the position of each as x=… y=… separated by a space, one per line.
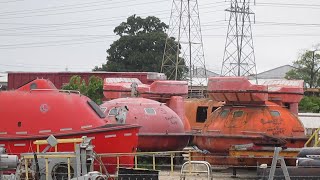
x=17 y=79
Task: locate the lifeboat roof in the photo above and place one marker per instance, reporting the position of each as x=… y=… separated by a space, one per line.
x=37 y=84
x=121 y=87
x=240 y=90
x=132 y=100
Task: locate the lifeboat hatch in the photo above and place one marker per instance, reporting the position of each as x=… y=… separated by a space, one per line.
x=202 y=112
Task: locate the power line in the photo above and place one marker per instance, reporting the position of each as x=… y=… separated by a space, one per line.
x=295 y=5
x=56 y=35
x=60 y=44
x=74 y=6
x=80 y=11
x=6 y=46
x=85 y=23
x=56 y=8
x=10 y=1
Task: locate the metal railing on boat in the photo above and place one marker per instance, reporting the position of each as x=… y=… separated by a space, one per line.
x=38 y=143
x=313 y=141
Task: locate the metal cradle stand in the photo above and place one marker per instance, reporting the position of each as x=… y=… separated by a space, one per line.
x=274 y=165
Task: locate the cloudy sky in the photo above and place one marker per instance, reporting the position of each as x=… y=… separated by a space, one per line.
x=52 y=35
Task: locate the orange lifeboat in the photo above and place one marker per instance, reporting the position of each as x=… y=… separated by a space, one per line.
x=30 y=114
x=159 y=111
x=252 y=114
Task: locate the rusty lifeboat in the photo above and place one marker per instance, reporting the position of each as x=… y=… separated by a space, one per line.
x=259 y=114
x=157 y=108
x=38 y=110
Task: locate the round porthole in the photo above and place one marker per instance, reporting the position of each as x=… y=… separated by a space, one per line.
x=33 y=86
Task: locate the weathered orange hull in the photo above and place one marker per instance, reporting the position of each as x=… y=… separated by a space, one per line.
x=223 y=143
x=197 y=111
x=223 y=129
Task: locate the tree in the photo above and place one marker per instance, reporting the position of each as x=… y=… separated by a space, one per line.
x=93 y=90
x=307 y=69
x=310 y=104
x=140 y=46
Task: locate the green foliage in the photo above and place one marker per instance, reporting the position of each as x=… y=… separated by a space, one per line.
x=310 y=104
x=140 y=47
x=93 y=90
x=307 y=69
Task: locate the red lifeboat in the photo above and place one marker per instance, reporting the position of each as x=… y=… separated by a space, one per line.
x=252 y=114
x=163 y=126
x=28 y=115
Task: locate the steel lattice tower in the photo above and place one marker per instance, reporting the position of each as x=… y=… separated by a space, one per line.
x=184 y=26
x=239 y=58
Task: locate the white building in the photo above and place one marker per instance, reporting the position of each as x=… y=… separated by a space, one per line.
x=3 y=81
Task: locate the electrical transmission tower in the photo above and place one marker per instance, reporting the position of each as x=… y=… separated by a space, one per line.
x=184 y=27
x=239 y=58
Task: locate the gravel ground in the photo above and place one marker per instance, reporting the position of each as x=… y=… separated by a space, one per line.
x=225 y=174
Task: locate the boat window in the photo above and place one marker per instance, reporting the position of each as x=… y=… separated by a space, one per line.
x=214 y=108
x=113 y=112
x=96 y=109
x=201 y=114
x=33 y=86
x=275 y=113
x=224 y=113
x=150 y=111
x=103 y=109
x=237 y=113
x=287 y=105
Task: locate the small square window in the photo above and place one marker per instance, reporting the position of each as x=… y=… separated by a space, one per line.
x=275 y=113
x=237 y=114
x=103 y=109
x=224 y=113
x=113 y=112
x=150 y=111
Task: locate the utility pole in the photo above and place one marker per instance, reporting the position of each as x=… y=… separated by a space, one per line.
x=184 y=27
x=313 y=70
x=239 y=58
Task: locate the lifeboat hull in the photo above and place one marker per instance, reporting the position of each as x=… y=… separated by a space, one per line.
x=223 y=143
x=162 y=142
x=106 y=140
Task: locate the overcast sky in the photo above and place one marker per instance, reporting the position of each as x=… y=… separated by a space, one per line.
x=52 y=35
